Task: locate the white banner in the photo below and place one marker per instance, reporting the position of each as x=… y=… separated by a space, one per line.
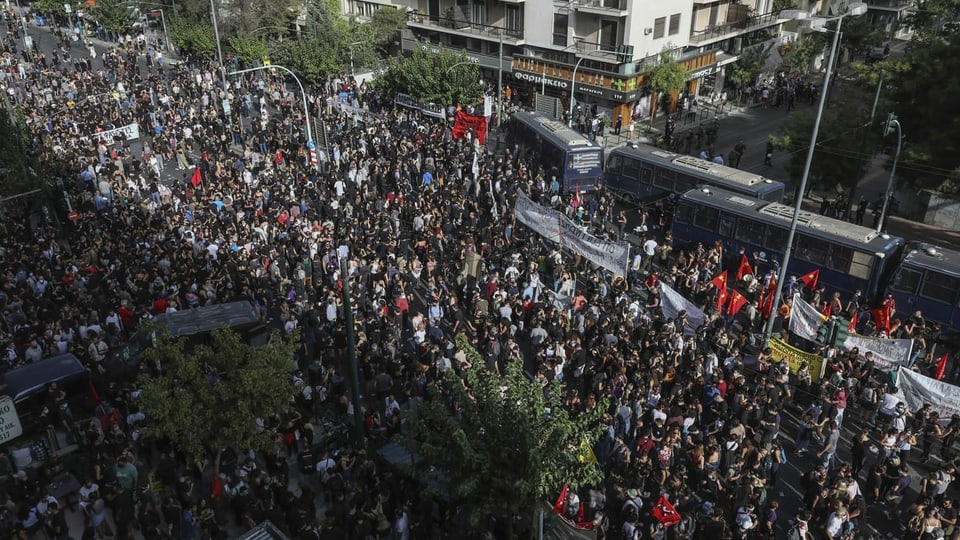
x=542 y=220
x=887 y=353
x=557 y=228
x=129 y=132
x=672 y=303
x=916 y=390
x=805 y=320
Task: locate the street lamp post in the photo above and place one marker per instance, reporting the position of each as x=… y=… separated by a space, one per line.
x=352 y=45
x=223 y=68
x=573 y=88
x=306 y=108
x=857 y=9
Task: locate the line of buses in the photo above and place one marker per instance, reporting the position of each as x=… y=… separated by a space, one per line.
x=743 y=209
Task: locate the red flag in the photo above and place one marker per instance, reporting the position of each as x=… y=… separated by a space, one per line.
x=743 y=269
x=720 y=281
x=761 y=298
x=942 y=366
x=722 y=299
x=561 y=505
x=881 y=316
x=768 y=304
x=576 y=198
x=827 y=309
x=197 y=177
x=810 y=279
x=852 y=327
x=737 y=301
x=665 y=513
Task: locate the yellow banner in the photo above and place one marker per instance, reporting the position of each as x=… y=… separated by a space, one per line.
x=794 y=357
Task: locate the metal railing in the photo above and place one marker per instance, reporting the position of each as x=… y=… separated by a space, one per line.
x=738 y=27
x=465 y=26
x=619 y=5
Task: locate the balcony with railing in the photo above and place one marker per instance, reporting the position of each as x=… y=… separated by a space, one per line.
x=614 y=54
x=723 y=31
x=890 y=5
x=616 y=8
x=464 y=27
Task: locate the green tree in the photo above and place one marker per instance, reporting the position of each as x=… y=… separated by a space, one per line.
x=384 y=25
x=747 y=68
x=500 y=444
x=212 y=397
x=837 y=158
x=193 y=36
x=441 y=76
x=311 y=58
x=249 y=49
x=666 y=77
x=933 y=20
x=923 y=92
x=780 y=5
x=112 y=14
x=52 y=7
x=798 y=54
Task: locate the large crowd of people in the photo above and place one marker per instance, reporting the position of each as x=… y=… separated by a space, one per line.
x=248 y=216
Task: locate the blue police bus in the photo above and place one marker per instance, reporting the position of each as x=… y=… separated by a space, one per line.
x=576 y=161
x=850 y=257
x=928 y=280
x=640 y=172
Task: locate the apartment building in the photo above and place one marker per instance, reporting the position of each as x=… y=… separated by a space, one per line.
x=596 y=50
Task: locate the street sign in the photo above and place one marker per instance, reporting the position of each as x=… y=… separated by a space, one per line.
x=10 y=427
x=73 y=216
x=68 y=8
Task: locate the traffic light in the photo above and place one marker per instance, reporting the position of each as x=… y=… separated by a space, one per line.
x=823 y=333
x=841 y=329
x=888 y=126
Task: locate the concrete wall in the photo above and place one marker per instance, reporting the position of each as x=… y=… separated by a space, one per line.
x=940 y=211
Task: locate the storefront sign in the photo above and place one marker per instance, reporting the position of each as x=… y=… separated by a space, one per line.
x=703 y=72
x=539 y=79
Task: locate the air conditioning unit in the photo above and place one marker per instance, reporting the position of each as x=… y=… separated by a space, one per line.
x=647 y=31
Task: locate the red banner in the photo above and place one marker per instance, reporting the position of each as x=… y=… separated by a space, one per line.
x=466 y=121
x=665 y=513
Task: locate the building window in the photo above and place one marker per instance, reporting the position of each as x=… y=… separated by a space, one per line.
x=514 y=16
x=658 y=27
x=674 y=24
x=560 y=30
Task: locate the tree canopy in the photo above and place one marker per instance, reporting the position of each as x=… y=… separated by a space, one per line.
x=211 y=397
x=747 y=68
x=112 y=15
x=501 y=444
x=433 y=76
x=839 y=153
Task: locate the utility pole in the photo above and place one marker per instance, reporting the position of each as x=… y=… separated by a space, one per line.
x=223 y=69
x=500 y=83
x=888 y=128
x=353 y=371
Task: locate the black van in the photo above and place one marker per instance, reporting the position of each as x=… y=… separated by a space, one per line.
x=193 y=324
x=28 y=386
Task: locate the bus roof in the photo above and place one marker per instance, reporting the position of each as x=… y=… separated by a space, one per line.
x=928 y=256
x=35 y=377
x=702 y=166
x=555 y=130
x=204 y=319
x=806 y=221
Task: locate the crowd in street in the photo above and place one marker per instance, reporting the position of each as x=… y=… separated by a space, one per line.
x=249 y=216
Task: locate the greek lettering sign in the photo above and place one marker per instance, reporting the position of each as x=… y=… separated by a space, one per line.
x=129 y=132
x=10 y=427
x=916 y=390
x=539 y=79
x=887 y=353
x=585 y=163
x=793 y=356
x=556 y=227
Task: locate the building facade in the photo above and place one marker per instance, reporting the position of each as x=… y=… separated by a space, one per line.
x=593 y=51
